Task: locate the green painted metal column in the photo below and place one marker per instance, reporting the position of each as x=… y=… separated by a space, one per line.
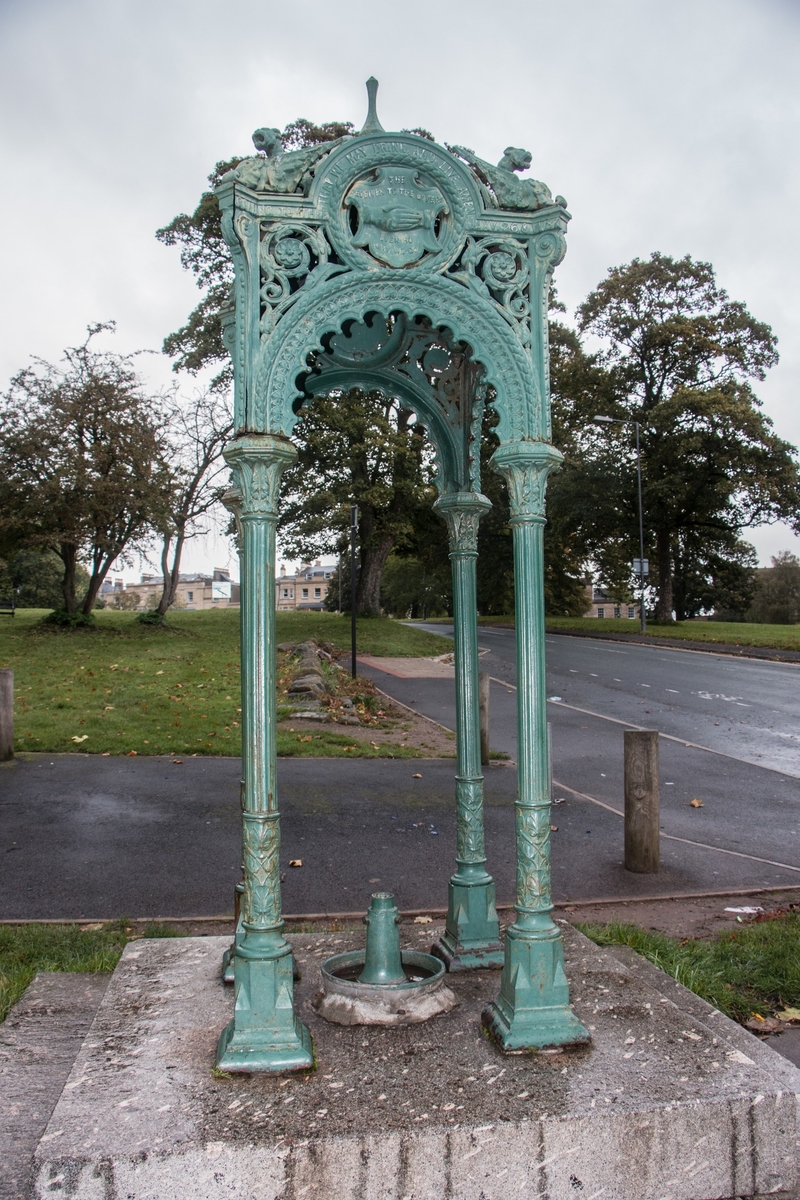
x=472 y=930
x=533 y=1008
x=264 y=1034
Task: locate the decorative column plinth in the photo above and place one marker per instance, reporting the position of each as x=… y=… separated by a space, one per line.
x=533 y=1009
x=265 y=1034
x=472 y=930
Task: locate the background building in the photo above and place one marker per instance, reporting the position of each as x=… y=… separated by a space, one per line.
x=305 y=590
x=601 y=604
x=194 y=592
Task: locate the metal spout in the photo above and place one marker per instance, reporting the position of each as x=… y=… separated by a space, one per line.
x=382 y=961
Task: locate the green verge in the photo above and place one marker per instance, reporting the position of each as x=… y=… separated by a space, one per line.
x=127 y=688
x=731 y=633
x=755 y=969
x=27 y=949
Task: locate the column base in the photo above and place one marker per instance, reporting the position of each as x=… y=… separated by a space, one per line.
x=532 y=1011
x=265 y=1034
x=471 y=939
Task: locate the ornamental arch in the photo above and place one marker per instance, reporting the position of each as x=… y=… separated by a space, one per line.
x=389 y=262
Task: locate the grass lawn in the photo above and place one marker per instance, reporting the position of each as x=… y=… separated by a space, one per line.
x=126 y=688
x=755 y=969
x=736 y=633
x=28 y=949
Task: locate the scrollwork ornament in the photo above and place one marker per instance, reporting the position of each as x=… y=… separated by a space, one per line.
x=474 y=439
x=497 y=268
x=291 y=255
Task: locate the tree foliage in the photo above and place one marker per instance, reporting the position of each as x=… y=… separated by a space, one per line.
x=680 y=357
x=81 y=467
x=362 y=448
x=777 y=600
x=34 y=577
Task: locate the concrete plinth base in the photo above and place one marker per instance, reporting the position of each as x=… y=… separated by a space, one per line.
x=669 y=1102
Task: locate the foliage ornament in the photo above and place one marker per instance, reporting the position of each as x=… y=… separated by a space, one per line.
x=387 y=262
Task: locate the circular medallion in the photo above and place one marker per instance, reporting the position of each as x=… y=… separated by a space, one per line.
x=395 y=201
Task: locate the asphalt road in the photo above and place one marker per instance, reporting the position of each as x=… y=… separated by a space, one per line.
x=86 y=837
x=744 y=707
x=83 y=836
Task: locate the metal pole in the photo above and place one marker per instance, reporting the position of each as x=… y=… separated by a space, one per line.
x=6 y=715
x=353 y=533
x=643 y=615
x=341 y=568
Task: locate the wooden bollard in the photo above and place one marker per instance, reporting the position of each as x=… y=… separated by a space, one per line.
x=642 y=802
x=484 y=684
x=6 y=715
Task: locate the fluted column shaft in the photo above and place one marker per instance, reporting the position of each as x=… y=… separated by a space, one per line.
x=264 y=1034
x=533 y=1008
x=472 y=931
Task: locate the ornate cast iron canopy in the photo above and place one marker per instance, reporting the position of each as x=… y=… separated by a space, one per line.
x=388 y=262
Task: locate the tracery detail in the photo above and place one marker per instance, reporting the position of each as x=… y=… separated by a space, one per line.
x=291 y=255
x=497 y=268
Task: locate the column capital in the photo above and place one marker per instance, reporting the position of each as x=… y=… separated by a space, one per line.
x=462 y=511
x=257 y=462
x=525 y=467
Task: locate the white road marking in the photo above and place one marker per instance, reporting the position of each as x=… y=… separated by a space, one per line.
x=670 y=837
x=667 y=736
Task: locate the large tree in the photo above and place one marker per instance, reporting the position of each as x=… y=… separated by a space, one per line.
x=197 y=431
x=362 y=448
x=81 y=467
x=777 y=599
x=680 y=357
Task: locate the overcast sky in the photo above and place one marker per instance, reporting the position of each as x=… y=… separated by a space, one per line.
x=669 y=126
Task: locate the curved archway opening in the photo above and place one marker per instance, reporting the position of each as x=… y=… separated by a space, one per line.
x=390 y=415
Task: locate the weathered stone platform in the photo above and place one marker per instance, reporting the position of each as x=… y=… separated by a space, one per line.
x=671 y=1101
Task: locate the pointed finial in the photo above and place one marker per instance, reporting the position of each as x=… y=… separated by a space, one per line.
x=372 y=124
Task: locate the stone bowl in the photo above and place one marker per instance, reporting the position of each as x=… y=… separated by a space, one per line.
x=345 y=1001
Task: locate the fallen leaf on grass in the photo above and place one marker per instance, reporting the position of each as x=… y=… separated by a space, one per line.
x=423 y=920
x=695 y=803
x=307 y=738
x=295 y=862
x=788 y=1014
x=79 y=739
x=132 y=754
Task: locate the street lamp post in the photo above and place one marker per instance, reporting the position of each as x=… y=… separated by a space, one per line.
x=637 y=427
x=353 y=588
